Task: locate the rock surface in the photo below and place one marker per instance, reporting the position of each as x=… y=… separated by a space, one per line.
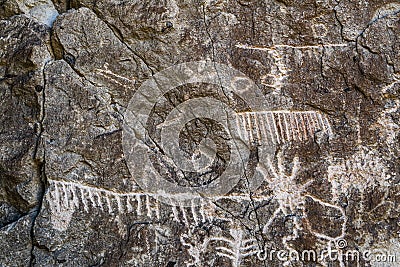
x=314 y=86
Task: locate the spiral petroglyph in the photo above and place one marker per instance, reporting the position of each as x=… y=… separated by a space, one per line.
x=225 y=123
x=217 y=159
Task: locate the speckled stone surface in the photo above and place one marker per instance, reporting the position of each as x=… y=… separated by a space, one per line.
x=199 y=133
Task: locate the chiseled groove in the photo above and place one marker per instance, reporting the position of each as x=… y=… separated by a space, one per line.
x=282 y=126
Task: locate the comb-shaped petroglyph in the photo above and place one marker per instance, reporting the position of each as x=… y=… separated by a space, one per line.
x=282 y=126
x=61 y=207
x=196 y=214
x=75 y=196
x=66 y=197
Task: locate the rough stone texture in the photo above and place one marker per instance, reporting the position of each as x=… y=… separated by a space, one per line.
x=68 y=70
x=42 y=11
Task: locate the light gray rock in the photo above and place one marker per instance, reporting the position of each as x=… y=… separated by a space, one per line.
x=42 y=11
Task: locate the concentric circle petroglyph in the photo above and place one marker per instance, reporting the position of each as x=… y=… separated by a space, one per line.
x=154 y=151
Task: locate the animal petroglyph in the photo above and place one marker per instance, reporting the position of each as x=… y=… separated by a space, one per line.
x=291 y=198
x=194 y=215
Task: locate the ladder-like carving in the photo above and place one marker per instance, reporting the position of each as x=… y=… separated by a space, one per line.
x=282 y=126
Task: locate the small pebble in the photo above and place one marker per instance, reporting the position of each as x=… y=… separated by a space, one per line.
x=169 y=24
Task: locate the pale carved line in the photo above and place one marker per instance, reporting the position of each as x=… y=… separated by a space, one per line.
x=287 y=126
x=69 y=196
x=280 y=71
x=236 y=248
x=117 y=79
x=275 y=47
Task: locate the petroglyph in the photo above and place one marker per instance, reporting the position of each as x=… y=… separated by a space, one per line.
x=363 y=169
x=67 y=197
x=236 y=248
x=282 y=126
x=283 y=136
x=194 y=208
x=286 y=191
x=342 y=234
x=194 y=215
x=208 y=107
x=62 y=207
x=285 y=46
x=291 y=198
x=115 y=78
x=280 y=70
